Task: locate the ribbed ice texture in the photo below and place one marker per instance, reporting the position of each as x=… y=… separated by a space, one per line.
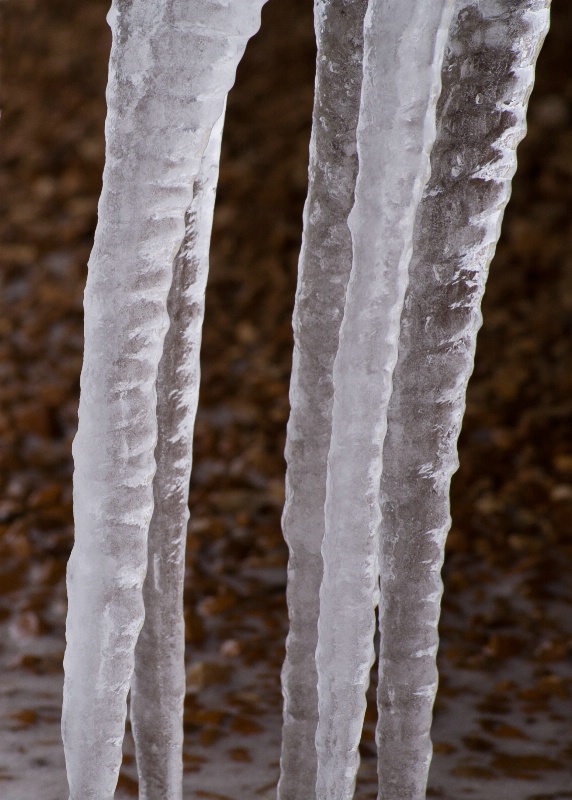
x=324 y=267
x=404 y=43
x=172 y=64
x=158 y=685
x=487 y=78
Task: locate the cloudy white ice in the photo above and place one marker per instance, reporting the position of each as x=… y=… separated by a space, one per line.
x=418 y=111
x=171 y=66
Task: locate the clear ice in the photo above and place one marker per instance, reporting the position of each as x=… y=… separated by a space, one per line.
x=419 y=108
x=404 y=44
x=450 y=233
x=487 y=78
x=324 y=267
x=171 y=67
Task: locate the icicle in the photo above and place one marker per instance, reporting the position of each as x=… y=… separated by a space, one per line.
x=404 y=44
x=158 y=685
x=487 y=79
x=156 y=135
x=325 y=262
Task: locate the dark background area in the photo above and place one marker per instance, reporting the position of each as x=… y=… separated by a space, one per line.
x=511 y=498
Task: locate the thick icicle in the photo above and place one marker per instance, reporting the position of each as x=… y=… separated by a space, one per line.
x=404 y=42
x=487 y=79
x=158 y=685
x=171 y=66
x=324 y=267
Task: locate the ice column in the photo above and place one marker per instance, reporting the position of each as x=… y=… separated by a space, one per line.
x=487 y=79
x=324 y=267
x=158 y=685
x=172 y=64
x=404 y=43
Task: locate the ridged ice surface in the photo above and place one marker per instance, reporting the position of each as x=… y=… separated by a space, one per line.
x=404 y=43
x=324 y=267
x=487 y=78
x=158 y=685
x=171 y=66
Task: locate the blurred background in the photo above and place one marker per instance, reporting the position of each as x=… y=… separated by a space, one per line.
x=503 y=718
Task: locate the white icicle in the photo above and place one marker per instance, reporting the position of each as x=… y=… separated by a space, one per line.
x=158 y=685
x=487 y=78
x=324 y=267
x=171 y=66
x=404 y=42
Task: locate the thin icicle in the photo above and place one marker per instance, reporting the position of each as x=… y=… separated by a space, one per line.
x=404 y=44
x=158 y=685
x=487 y=79
x=324 y=267
x=156 y=134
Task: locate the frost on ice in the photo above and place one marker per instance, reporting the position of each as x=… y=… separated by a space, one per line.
x=392 y=272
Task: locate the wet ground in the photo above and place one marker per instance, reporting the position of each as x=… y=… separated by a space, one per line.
x=503 y=718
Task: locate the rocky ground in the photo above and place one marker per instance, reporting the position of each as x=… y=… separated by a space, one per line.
x=503 y=718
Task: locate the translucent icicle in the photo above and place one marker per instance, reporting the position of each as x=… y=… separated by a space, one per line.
x=404 y=44
x=171 y=66
x=158 y=685
x=324 y=267
x=487 y=78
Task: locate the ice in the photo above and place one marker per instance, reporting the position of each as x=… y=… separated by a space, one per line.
x=404 y=45
x=324 y=267
x=158 y=685
x=171 y=66
x=487 y=78
x=392 y=272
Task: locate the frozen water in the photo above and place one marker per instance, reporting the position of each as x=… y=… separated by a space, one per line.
x=487 y=79
x=171 y=67
x=324 y=267
x=158 y=685
x=404 y=45
x=367 y=232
